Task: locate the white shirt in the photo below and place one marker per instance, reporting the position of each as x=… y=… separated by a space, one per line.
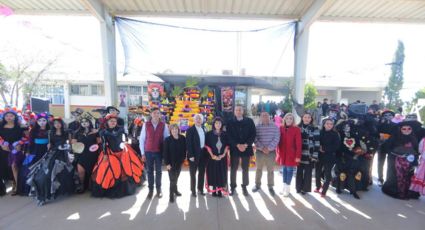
x=201 y=135
x=142 y=138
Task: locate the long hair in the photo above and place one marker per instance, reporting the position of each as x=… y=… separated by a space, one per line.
x=36 y=128
x=306 y=113
x=401 y=139
x=217 y=119
x=15 y=122
x=81 y=129
x=288 y=115
x=53 y=128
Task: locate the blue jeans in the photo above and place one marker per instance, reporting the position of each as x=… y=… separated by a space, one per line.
x=288 y=172
x=154 y=162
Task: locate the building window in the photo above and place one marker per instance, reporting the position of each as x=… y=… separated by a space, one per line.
x=52 y=92
x=133 y=93
x=87 y=90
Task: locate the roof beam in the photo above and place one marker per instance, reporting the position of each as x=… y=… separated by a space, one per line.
x=97 y=8
x=314 y=12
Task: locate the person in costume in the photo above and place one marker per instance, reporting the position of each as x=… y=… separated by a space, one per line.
x=39 y=137
x=115 y=112
x=118 y=169
x=348 y=159
x=402 y=150
x=85 y=161
x=75 y=124
x=310 y=135
x=54 y=173
x=174 y=153
x=151 y=139
x=329 y=139
x=418 y=180
x=217 y=146
x=386 y=129
x=11 y=155
x=289 y=149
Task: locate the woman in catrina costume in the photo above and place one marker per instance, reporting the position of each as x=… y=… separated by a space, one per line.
x=86 y=160
x=11 y=144
x=118 y=169
x=54 y=173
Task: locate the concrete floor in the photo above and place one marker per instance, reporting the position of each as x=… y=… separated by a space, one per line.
x=259 y=210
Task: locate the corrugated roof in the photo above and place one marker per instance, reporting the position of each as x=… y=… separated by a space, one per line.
x=339 y=10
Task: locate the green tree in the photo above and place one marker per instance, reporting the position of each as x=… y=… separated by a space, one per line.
x=310 y=94
x=420 y=94
x=395 y=82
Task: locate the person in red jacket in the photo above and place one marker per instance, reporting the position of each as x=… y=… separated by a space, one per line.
x=288 y=152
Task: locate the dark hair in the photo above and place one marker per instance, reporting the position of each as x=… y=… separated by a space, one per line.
x=306 y=113
x=36 y=128
x=154 y=109
x=401 y=139
x=62 y=129
x=324 y=122
x=81 y=129
x=15 y=122
x=215 y=120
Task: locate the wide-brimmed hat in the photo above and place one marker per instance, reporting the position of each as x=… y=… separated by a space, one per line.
x=112 y=107
x=77 y=112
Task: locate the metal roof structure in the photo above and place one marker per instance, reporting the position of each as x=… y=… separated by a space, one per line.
x=336 y=10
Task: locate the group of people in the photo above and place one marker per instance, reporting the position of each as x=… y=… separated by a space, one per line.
x=44 y=158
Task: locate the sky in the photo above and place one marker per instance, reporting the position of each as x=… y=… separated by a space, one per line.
x=339 y=50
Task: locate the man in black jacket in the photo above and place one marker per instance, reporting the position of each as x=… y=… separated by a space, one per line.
x=241 y=133
x=195 y=142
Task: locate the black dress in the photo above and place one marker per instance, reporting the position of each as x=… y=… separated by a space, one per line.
x=87 y=159
x=54 y=174
x=8 y=157
x=217 y=144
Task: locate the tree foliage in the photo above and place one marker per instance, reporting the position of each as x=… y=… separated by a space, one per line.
x=395 y=82
x=310 y=94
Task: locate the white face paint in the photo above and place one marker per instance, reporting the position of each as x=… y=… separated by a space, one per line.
x=85 y=123
x=42 y=122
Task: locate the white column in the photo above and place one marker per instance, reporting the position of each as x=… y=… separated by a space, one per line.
x=67 y=101
x=301 y=45
x=107 y=32
x=338 y=96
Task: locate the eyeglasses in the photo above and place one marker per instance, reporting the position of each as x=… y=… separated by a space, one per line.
x=406 y=129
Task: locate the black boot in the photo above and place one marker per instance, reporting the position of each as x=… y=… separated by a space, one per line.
x=171 y=197
x=150 y=194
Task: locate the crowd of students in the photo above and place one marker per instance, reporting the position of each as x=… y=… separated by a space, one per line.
x=44 y=158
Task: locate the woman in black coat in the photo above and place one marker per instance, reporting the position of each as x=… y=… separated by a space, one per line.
x=329 y=144
x=174 y=153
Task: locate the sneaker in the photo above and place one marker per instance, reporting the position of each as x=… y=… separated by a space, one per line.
x=256 y=188
x=271 y=191
x=245 y=191
x=150 y=194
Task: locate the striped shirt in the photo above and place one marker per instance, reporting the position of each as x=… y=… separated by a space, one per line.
x=267 y=136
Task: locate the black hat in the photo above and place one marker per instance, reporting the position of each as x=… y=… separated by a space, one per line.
x=388 y=111
x=109 y=108
x=77 y=112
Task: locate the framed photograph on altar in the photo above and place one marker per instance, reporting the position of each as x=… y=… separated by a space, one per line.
x=227 y=98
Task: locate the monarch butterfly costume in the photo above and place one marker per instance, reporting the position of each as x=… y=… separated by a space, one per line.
x=118 y=169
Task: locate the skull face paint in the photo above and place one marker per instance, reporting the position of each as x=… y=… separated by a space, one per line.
x=42 y=122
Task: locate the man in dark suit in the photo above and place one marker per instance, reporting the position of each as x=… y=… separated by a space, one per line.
x=195 y=142
x=241 y=134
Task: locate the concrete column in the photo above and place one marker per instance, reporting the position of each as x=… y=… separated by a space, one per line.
x=248 y=99
x=338 y=96
x=67 y=101
x=107 y=33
